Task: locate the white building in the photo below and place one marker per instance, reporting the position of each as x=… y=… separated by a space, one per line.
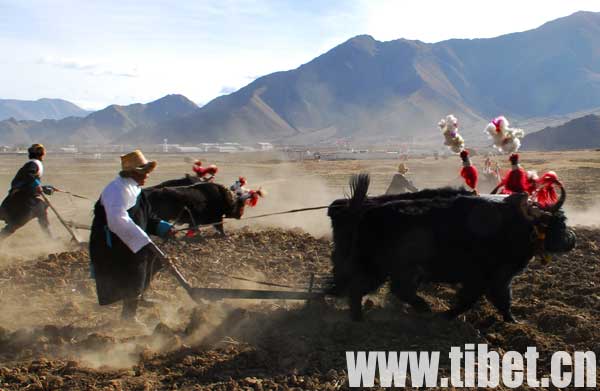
x=68 y=149
x=183 y=149
x=264 y=146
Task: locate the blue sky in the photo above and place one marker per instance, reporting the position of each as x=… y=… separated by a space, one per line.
x=95 y=53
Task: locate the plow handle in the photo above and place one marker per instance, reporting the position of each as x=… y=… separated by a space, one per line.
x=171 y=266
x=73 y=236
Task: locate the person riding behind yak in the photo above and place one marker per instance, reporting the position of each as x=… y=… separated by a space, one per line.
x=400 y=184
x=24 y=201
x=123 y=257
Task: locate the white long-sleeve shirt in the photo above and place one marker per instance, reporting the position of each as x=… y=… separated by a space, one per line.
x=117 y=198
x=40 y=166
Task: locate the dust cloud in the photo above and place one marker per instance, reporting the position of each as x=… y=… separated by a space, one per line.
x=289 y=187
x=589 y=217
x=31 y=242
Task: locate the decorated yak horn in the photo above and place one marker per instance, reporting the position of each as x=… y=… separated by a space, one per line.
x=563 y=196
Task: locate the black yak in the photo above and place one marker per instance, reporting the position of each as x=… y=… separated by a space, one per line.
x=187 y=180
x=202 y=203
x=445 y=235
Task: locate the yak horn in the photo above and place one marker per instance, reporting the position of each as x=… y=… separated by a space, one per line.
x=563 y=196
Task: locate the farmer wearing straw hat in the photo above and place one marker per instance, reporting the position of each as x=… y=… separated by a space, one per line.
x=123 y=257
x=24 y=201
x=401 y=184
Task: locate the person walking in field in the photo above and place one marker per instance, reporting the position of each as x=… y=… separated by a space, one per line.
x=400 y=183
x=123 y=257
x=24 y=201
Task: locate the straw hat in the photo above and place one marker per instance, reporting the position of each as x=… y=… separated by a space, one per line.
x=402 y=168
x=136 y=161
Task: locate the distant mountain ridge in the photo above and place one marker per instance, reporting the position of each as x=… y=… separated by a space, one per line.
x=100 y=127
x=580 y=133
x=37 y=110
x=368 y=90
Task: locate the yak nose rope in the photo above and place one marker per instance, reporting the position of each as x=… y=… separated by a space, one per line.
x=538 y=237
x=200 y=226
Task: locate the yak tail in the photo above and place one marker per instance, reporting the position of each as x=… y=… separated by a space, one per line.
x=345 y=218
x=359 y=185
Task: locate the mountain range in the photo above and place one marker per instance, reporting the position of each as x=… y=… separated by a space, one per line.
x=101 y=127
x=580 y=133
x=371 y=91
x=397 y=90
x=40 y=109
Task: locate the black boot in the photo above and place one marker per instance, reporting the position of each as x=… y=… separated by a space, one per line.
x=129 y=311
x=45 y=226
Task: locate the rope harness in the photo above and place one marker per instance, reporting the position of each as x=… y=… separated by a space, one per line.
x=201 y=226
x=538 y=238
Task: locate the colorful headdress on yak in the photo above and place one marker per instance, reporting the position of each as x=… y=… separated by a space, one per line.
x=452 y=139
x=469 y=171
x=250 y=197
x=540 y=189
x=515 y=181
x=545 y=193
x=238 y=186
x=206 y=173
x=505 y=138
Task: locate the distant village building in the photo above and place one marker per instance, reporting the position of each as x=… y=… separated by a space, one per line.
x=264 y=146
x=223 y=148
x=68 y=149
x=184 y=149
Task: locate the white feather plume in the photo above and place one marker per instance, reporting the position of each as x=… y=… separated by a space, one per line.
x=452 y=139
x=504 y=138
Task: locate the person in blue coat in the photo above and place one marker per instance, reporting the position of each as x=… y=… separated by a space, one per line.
x=24 y=201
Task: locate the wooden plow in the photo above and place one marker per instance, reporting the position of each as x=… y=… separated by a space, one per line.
x=198 y=294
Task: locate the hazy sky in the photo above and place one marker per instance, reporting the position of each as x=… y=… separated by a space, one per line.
x=95 y=53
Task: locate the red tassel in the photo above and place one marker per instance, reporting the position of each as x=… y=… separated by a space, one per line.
x=515 y=181
x=213 y=169
x=471 y=176
x=253 y=197
x=203 y=171
x=190 y=233
x=253 y=201
x=546 y=194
